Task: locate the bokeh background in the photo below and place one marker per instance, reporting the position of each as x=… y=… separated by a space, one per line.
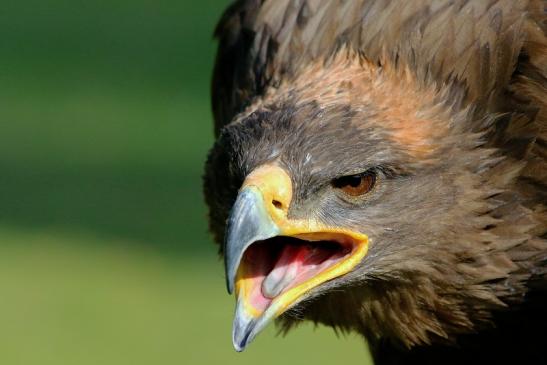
x=104 y=252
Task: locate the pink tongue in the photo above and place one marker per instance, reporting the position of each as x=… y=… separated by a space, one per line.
x=295 y=264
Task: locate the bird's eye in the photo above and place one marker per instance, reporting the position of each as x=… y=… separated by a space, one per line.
x=356 y=185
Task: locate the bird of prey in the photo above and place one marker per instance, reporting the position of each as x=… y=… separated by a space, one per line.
x=380 y=167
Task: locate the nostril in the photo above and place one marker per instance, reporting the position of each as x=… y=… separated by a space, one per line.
x=277 y=204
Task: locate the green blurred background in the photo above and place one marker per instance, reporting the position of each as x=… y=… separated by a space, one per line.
x=104 y=252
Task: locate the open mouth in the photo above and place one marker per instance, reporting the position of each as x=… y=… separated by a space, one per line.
x=271 y=268
x=273 y=261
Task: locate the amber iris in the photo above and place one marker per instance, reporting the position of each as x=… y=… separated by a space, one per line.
x=355 y=185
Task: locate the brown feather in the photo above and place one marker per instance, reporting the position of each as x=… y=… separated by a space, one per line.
x=454 y=91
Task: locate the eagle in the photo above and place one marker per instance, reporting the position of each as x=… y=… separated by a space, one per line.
x=380 y=167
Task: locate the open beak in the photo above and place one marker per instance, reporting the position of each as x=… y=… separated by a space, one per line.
x=273 y=261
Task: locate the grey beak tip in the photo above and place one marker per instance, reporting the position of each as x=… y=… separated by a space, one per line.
x=230 y=278
x=241 y=335
x=239 y=347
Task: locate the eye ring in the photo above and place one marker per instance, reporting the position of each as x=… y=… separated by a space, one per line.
x=356 y=185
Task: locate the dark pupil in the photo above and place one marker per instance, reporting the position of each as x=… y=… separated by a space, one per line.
x=354 y=181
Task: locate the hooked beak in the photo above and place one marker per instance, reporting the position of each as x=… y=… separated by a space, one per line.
x=273 y=261
x=249 y=222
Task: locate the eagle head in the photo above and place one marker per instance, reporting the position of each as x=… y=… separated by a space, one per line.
x=356 y=195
